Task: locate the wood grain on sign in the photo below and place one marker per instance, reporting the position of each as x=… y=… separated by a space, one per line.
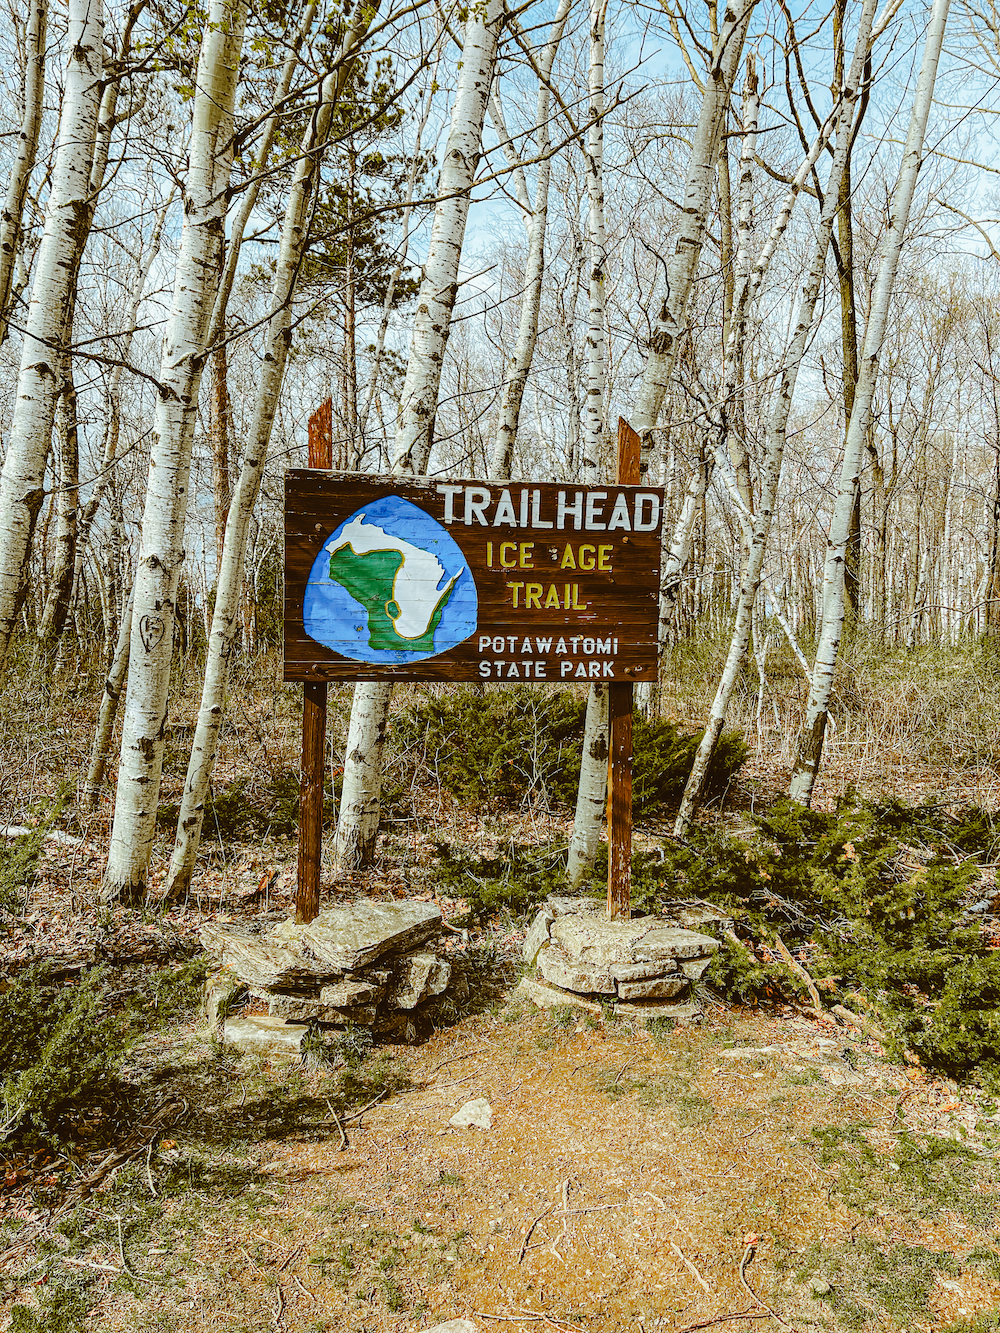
x=469 y=580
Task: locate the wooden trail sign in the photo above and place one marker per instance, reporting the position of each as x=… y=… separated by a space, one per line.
x=418 y=579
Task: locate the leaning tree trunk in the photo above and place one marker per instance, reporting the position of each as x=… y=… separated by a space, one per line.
x=225 y=617
x=66 y=216
x=108 y=711
x=11 y=219
x=161 y=551
x=359 y=804
x=814 y=728
x=760 y=520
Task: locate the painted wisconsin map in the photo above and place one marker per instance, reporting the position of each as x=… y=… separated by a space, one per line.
x=417 y=595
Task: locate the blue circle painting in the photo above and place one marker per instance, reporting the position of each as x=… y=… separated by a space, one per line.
x=390 y=586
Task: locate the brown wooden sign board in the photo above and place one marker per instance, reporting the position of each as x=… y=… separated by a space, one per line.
x=425 y=580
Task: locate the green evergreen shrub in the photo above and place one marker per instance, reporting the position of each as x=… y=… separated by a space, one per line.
x=19 y=856
x=507 y=745
x=62 y=1042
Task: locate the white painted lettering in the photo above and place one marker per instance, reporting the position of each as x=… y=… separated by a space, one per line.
x=476 y=500
x=543 y=645
x=574 y=511
x=498 y=643
x=581 y=670
x=643 y=500
x=449 y=493
x=561 y=648
x=540 y=668
x=524 y=509
x=594 y=511
x=595 y=670
x=484 y=641
x=609 y=669
x=512 y=641
x=588 y=647
x=484 y=670
x=619 y=514
x=565 y=668
x=603 y=646
x=512 y=672
x=536 y=520
x=574 y=642
x=505 y=511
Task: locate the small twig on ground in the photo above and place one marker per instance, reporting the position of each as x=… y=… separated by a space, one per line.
x=121 y=1252
x=149 y=1169
x=529 y=1317
x=528 y=1234
x=748 y=1254
x=859 y=1021
x=724 y=1319
x=305 y=1290
x=293 y=1253
x=88 y=1263
x=690 y=1267
x=621 y=1071
x=277 y=1318
x=799 y=971
x=343 y=1132
x=356 y=1115
x=466 y=1055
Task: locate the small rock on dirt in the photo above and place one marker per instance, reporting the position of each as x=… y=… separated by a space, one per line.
x=477 y=1114
x=270 y=1036
x=454 y=1326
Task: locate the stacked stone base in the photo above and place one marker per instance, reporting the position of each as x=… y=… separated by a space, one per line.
x=372 y=964
x=645 y=967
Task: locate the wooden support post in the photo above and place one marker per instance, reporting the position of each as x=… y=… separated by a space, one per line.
x=620 y=734
x=313 y=725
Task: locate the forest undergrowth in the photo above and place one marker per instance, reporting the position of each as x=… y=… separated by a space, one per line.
x=877 y=909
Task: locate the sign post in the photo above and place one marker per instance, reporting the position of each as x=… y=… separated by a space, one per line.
x=620 y=696
x=313 y=725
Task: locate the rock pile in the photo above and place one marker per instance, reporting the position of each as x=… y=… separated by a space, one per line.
x=371 y=963
x=645 y=966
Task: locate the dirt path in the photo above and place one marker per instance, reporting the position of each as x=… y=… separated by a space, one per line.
x=625 y=1179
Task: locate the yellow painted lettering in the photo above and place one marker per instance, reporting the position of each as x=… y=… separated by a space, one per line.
x=515 y=589
x=587 y=557
x=489 y=555
x=526 y=559
x=552 y=598
x=577 y=604
x=604 y=554
x=508 y=562
x=533 y=596
x=567 y=561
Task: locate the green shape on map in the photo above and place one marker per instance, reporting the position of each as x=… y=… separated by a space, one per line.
x=370 y=578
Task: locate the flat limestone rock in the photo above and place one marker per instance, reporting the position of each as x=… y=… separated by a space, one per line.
x=661 y=967
x=420 y=975
x=259 y=960
x=574 y=974
x=348 y=991
x=477 y=1114
x=645 y=939
x=310 y=1008
x=694 y=913
x=551 y=997
x=655 y=988
x=345 y=939
x=267 y=1035
x=563 y=905
x=644 y=1010
x=694 y=968
x=457 y=1326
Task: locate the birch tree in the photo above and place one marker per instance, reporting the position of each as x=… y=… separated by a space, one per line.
x=11 y=219
x=592 y=432
x=810 y=748
x=162 y=542
x=225 y=617
x=22 y=482
x=359 y=806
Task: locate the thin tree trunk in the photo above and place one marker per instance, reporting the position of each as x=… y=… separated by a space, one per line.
x=592 y=795
x=229 y=586
x=811 y=741
x=66 y=224
x=359 y=804
x=101 y=748
x=11 y=219
x=519 y=366
x=57 y=602
x=162 y=545
x=592 y=433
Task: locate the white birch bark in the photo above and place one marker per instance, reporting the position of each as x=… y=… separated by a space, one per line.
x=23 y=477
x=832 y=623
x=760 y=520
x=683 y=263
x=24 y=155
x=439 y=281
x=359 y=805
x=229 y=586
x=591 y=797
x=519 y=366
x=162 y=544
x=592 y=433
x=108 y=711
